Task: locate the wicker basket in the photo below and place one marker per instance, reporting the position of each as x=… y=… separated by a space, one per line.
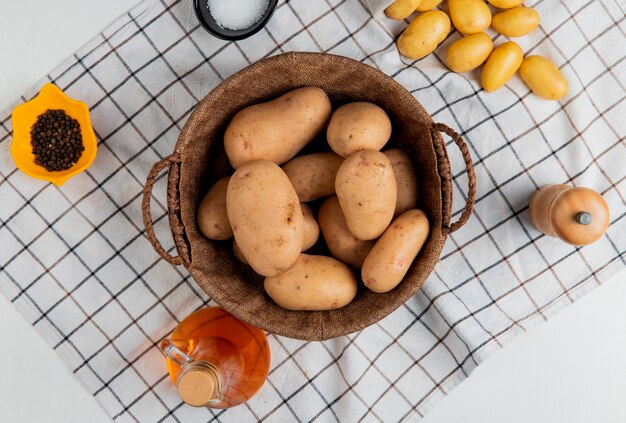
x=199 y=161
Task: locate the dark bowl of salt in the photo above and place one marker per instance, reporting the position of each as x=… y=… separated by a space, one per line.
x=234 y=19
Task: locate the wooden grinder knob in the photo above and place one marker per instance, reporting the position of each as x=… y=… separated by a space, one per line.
x=578 y=216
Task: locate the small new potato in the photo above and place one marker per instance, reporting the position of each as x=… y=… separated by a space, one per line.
x=278 y=129
x=313 y=283
x=366 y=188
x=469 y=16
x=266 y=217
x=358 y=126
x=406 y=182
x=424 y=34
x=401 y=9
x=311 y=228
x=313 y=175
x=426 y=5
x=544 y=78
x=505 y=4
x=390 y=259
x=212 y=216
x=468 y=53
x=501 y=66
x=344 y=246
x=516 y=22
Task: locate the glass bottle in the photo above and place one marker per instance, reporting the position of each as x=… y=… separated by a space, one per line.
x=216 y=360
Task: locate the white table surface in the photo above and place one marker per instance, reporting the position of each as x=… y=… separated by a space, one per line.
x=570 y=369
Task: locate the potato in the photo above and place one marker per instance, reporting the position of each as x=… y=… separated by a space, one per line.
x=238 y=253
x=212 y=216
x=401 y=9
x=278 y=129
x=313 y=283
x=501 y=66
x=311 y=228
x=342 y=244
x=468 y=53
x=265 y=215
x=390 y=259
x=406 y=182
x=424 y=34
x=366 y=188
x=469 y=16
x=357 y=126
x=426 y=5
x=516 y=22
x=505 y=4
x=544 y=78
x=313 y=175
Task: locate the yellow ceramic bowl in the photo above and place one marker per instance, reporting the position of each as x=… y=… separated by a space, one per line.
x=25 y=116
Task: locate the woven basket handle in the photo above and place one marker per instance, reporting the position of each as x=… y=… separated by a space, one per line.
x=445 y=172
x=172 y=163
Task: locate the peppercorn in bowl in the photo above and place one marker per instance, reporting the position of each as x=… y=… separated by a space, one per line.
x=53 y=138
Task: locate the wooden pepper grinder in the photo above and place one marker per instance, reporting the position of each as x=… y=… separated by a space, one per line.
x=578 y=216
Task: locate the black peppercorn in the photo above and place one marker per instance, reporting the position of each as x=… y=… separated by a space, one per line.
x=56 y=140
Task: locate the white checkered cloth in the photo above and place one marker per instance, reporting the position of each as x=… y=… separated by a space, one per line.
x=75 y=260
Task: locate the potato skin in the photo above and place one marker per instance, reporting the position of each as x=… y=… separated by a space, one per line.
x=505 y=4
x=212 y=216
x=366 y=188
x=469 y=16
x=401 y=9
x=468 y=53
x=424 y=34
x=390 y=259
x=516 y=22
x=543 y=77
x=313 y=283
x=311 y=228
x=278 y=129
x=357 y=126
x=313 y=175
x=344 y=246
x=501 y=66
x=238 y=253
x=266 y=217
x=426 y=5
x=406 y=182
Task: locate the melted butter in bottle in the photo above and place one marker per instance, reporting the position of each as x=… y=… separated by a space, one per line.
x=216 y=360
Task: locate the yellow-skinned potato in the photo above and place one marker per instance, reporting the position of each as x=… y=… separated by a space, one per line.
x=278 y=129
x=424 y=34
x=212 y=216
x=406 y=182
x=313 y=175
x=426 y=5
x=401 y=9
x=516 y=22
x=505 y=4
x=344 y=246
x=468 y=53
x=238 y=253
x=357 y=126
x=311 y=228
x=266 y=217
x=469 y=16
x=366 y=188
x=501 y=66
x=544 y=78
x=390 y=259
x=313 y=283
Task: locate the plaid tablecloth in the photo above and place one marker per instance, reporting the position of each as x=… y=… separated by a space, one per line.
x=76 y=263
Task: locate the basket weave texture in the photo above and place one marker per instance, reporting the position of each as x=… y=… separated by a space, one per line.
x=199 y=161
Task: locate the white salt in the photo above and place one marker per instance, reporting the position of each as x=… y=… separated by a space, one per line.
x=237 y=14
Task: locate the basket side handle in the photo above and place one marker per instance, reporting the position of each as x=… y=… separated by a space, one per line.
x=446 y=174
x=171 y=163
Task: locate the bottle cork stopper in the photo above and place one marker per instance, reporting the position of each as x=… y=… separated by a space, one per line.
x=196 y=387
